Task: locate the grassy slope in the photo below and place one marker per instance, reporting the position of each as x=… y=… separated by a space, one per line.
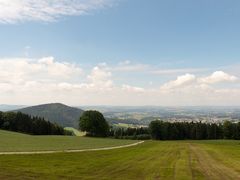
x=11 y=141
x=75 y=131
x=151 y=160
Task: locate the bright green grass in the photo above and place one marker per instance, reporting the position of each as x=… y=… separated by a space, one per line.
x=150 y=160
x=11 y=141
x=75 y=131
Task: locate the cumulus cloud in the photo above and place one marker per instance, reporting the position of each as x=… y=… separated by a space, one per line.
x=34 y=81
x=217 y=77
x=47 y=75
x=191 y=90
x=100 y=78
x=202 y=82
x=179 y=82
x=13 y=11
x=22 y=70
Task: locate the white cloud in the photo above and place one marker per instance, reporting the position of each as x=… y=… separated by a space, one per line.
x=133 y=89
x=100 y=78
x=177 y=71
x=203 y=83
x=217 y=77
x=179 y=82
x=12 y=11
x=127 y=66
x=191 y=90
x=60 y=69
x=22 y=70
x=43 y=80
x=33 y=81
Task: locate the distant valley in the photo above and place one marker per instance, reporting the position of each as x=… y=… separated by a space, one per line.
x=128 y=116
x=143 y=115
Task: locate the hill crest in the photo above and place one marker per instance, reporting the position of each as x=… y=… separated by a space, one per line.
x=59 y=113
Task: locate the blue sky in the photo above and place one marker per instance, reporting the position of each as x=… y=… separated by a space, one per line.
x=143 y=31
x=141 y=48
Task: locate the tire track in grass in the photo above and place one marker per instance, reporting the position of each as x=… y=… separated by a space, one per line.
x=166 y=163
x=182 y=168
x=177 y=157
x=211 y=168
x=190 y=162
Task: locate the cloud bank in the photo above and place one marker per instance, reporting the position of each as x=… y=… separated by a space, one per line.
x=13 y=11
x=217 y=77
x=180 y=81
x=190 y=79
x=43 y=80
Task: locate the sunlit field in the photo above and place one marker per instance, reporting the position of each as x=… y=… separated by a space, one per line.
x=213 y=159
x=11 y=142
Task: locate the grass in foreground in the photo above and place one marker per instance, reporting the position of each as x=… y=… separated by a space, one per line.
x=11 y=141
x=150 y=160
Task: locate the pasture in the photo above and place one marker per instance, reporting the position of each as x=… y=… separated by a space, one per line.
x=17 y=142
x=212 y=159
x=75 y=131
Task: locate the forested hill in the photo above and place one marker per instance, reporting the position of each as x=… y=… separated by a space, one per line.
x=61 y=114
x=24 y=123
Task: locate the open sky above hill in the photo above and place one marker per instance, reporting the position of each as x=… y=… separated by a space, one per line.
x=120 y=52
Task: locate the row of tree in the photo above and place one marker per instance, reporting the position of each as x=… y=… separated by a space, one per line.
x=94 y=123
x=20 y=122
x=162 y=130
x=130 y=133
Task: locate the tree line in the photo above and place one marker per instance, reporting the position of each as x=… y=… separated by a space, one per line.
x=161 y=130
x=94 y=123
x=141 y=133
x=19 y=122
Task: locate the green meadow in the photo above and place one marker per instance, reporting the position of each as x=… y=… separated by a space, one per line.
x=75 y=131
x=11 y=141
x=212 y=159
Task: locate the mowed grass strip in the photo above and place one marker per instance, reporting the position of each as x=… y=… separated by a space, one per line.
x=150 y=160
x=17 y=142
x=145 y=161
x=218 y=159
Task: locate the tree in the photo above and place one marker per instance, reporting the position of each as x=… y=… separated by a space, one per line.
x=94 y=123
x=1 y=119
x=228 y=130
x=154 y=129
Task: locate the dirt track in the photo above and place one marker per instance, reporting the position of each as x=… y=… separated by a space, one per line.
x=70 y=151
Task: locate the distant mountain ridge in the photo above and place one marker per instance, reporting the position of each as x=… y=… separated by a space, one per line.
x=7 y=107
x=61 y=114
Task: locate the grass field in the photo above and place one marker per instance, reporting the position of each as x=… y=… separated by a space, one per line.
x=151 y=160
x=75 y=131
x=11 y=141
